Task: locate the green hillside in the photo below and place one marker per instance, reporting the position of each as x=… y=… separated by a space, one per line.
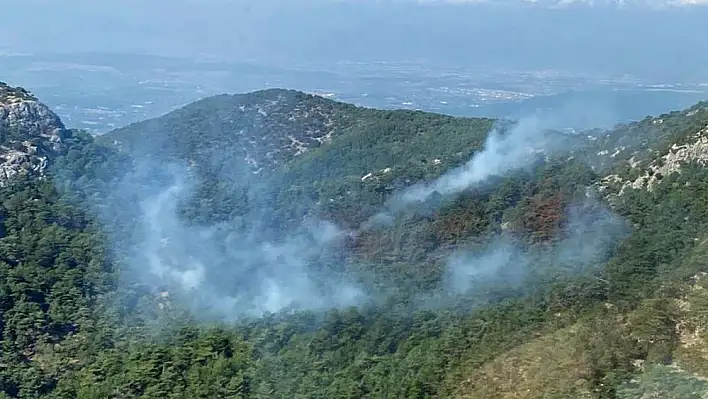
x=79 y=317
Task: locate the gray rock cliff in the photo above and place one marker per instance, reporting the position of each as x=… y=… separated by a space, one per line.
x=30 y=134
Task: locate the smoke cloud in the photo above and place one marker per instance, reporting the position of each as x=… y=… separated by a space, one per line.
x=233 y=268
x=219 y=270
x=502 y=153
x=588 y=238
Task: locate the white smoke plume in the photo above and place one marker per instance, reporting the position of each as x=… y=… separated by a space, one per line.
x=221 y=272
x=502 y=153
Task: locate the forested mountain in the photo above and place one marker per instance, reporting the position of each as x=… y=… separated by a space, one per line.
x=277 y=244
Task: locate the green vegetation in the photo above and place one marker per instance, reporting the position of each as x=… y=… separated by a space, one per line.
x=634 y=325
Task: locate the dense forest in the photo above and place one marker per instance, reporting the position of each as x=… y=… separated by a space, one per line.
x=81 y=318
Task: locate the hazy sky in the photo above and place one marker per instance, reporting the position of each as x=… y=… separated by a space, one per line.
x=289 y=30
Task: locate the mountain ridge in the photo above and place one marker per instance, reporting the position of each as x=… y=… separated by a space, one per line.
x=256 y=108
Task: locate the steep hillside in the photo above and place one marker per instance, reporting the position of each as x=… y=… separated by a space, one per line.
x=53 y=266
x=266 y=247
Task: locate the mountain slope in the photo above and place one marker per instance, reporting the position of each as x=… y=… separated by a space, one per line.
x=53 y=265
x=602 y=322
x=358 y=164
x=272 y=127
x=308 y=149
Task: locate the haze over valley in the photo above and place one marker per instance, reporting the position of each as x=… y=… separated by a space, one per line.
x=108 y=65
x=99 y=91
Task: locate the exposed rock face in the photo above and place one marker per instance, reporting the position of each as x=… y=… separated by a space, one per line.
x=30 y=134
x=694 y=151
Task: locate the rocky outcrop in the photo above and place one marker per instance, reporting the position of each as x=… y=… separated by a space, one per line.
x=695 y=150
x=30 y=134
